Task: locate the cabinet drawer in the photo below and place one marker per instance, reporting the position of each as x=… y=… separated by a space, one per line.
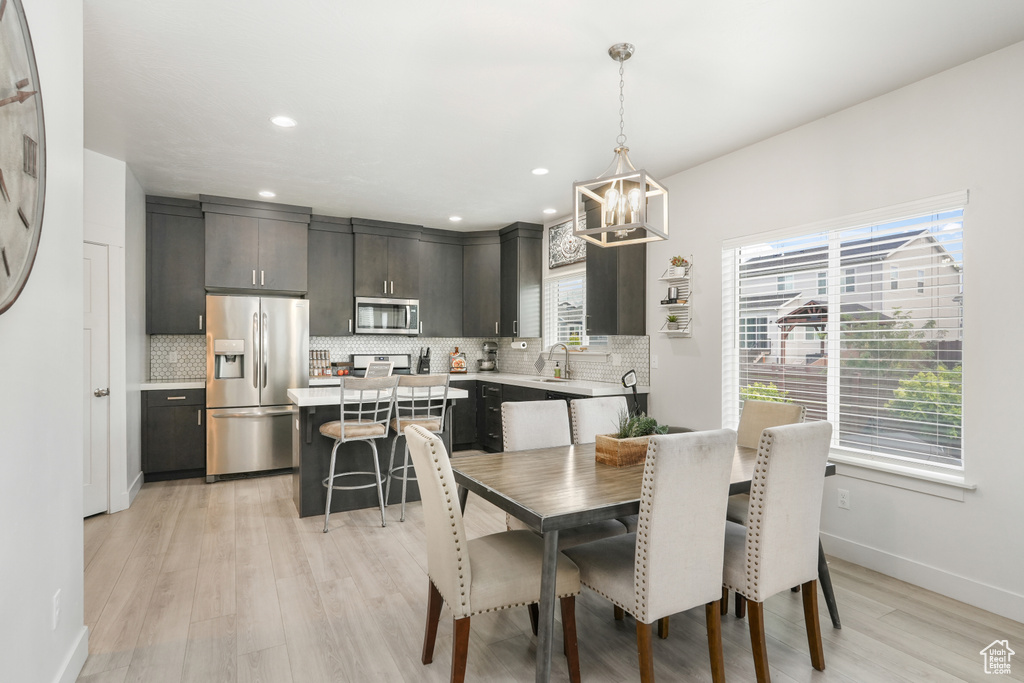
x=176 y=397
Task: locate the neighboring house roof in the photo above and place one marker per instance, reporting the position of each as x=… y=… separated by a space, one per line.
x=814 y=313
x=876 y=248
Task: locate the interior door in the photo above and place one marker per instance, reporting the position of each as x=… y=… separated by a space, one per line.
x=96 y=365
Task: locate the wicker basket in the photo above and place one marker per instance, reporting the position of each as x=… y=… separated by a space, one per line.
x=621 y=452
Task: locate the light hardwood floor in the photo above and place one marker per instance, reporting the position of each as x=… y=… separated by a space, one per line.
x=223 y=582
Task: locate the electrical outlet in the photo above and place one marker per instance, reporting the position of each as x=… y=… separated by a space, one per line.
x=56 y=610
x=654 y=362
x=844 y=499
x=172 y=357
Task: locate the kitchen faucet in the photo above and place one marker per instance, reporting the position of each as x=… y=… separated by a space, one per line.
x=565 y=371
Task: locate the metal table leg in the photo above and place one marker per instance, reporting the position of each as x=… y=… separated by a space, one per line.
x=546 y=621
x=463 y=497
x=825 y=579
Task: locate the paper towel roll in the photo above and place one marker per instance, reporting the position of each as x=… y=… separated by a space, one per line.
x=519 y=345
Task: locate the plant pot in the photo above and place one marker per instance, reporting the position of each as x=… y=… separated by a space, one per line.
x=621 y=452
x=672 y=326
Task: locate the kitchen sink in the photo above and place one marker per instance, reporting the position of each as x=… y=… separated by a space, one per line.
x=552 y=379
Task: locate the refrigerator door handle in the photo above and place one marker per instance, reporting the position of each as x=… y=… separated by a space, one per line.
x=255 y=351
x=265 y=352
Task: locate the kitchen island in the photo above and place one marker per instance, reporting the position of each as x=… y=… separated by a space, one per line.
x=311 y=453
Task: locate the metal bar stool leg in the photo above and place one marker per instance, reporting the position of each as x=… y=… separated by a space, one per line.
x=329 y=483
x=391 y=469
x=380 y=488
x=405 y=478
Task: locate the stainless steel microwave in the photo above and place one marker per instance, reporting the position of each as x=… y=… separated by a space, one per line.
x=378 y=315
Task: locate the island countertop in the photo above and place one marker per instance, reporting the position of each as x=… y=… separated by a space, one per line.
x=331 y=396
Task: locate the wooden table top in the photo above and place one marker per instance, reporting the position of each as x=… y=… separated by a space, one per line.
x=558 y=488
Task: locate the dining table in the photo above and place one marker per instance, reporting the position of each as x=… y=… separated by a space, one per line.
x=551 y=489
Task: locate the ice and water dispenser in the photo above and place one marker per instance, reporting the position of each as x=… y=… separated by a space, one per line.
x=228 y=358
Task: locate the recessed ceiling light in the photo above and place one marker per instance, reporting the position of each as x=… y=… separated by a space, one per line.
x=540 y=171
x=549 y=210
x=267 y=193
x=455 y=219
x=283 y=121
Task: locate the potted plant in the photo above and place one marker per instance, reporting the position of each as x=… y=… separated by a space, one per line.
x=672 y=322
x=677 y=266
x=628 y=445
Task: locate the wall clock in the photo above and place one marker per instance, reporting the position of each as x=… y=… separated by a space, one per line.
x=22 y=153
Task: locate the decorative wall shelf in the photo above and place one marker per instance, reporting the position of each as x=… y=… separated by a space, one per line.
x=678 y=277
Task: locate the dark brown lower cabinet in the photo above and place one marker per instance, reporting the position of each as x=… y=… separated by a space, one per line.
x=464 y=433
x=173 y=434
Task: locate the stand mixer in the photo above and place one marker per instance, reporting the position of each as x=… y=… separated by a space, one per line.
x=489 y=362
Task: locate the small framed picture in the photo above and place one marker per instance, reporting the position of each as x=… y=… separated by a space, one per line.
x=563 y=248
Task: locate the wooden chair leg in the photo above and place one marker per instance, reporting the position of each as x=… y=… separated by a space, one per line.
x=757 y=642
x=741 y=604
x=725 y=601
x=809 y=593
x=534 y=611
x=713 y=617
x=434 y=603
x=460 y=649
x=570 y=645
x=663 y=628
x=620 y=613
x=645 y=650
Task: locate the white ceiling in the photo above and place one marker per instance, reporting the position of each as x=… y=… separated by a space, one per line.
x=414 y=110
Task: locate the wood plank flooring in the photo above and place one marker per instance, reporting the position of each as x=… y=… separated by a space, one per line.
x=223 y=582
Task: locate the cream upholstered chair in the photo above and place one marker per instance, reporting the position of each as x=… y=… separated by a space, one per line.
x=778 y=547
x=364 y=417
x=421 y=400
x=527 y=425
x=593 y=416
x=483 y=575
x=672 y=562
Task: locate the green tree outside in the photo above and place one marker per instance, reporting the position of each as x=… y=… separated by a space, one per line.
x=931 y=396
x=760 y=391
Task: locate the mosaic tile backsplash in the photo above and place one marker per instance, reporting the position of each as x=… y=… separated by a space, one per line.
x=190 y=352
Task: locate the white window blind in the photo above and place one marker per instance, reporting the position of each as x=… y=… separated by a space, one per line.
x=877 y=355
x=565 y=310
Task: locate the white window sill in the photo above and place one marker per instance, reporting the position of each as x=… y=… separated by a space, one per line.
x=944 y=484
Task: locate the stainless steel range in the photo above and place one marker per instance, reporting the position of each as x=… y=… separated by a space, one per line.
x=402 y=362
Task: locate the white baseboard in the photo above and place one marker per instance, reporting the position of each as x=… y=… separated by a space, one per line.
x=76 y=659
x=133 y=490
x=991 y=598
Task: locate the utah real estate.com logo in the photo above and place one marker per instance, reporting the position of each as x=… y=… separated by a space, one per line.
x=997 y=657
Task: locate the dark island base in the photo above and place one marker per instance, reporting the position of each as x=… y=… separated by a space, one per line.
x=311 y=456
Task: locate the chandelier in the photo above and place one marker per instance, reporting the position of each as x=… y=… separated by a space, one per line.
x=623 y=205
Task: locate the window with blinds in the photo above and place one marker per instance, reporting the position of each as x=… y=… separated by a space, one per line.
x=869 y=336
x=565 y=310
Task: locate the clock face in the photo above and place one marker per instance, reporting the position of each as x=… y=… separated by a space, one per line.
x=22 y=153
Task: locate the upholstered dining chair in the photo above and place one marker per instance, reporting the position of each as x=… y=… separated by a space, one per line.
x=364 y=417
x=671 y=563
x=483 y=575
x=422 y=400
x=778 y=546
x=593 y=416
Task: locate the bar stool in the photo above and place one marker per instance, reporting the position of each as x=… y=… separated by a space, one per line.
x=421 y=401
x=365 y=412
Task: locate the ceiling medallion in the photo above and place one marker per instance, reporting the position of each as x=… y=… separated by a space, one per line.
x=623 y=205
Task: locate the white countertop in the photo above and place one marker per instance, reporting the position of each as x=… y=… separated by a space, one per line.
x=172 y=384
x=578 y=387
x=331 y=396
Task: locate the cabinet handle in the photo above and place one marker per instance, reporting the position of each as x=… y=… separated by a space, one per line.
x=199 y=417
x=385 y=286
x=253 y=277
x=350 y=325
x=495 y=327
x=392 y=287
x=421 y=327
x=515 y=327
x=261 y=278
x=176 y=398
x=200 y=322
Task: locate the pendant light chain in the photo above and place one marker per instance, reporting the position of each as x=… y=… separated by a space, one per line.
x=621 y=139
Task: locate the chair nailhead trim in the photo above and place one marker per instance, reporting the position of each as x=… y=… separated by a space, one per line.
x=755 y=517
x=643 y=530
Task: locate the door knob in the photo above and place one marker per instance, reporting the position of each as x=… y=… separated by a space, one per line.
x=101 y=392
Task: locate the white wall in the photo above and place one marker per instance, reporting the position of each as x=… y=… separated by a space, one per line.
x=137 y=358
x=41 y=419
x=958 y=130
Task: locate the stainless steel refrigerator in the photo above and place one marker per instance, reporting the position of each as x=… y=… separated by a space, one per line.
x=256 y=349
